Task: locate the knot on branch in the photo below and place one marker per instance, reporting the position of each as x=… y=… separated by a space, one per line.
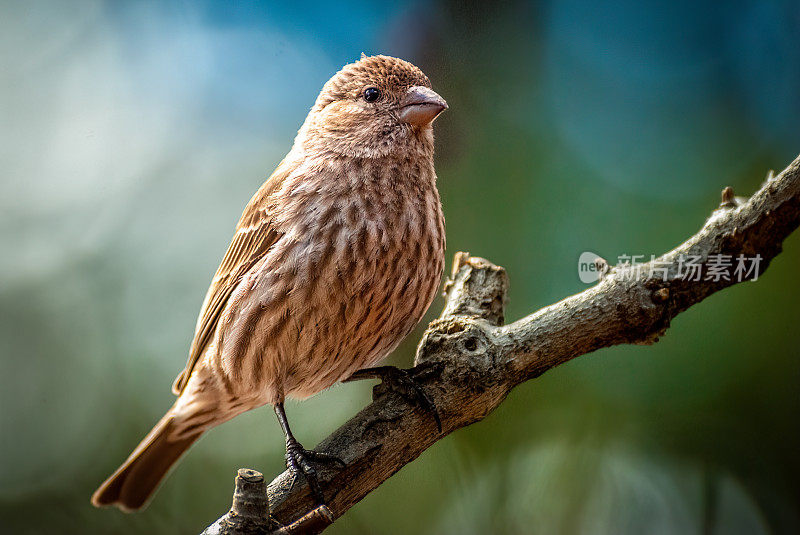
x=461 y=339
x=476 y=288
x=462 y=342
x=461 y=346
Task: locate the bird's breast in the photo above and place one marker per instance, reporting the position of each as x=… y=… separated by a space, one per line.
x=357 y=265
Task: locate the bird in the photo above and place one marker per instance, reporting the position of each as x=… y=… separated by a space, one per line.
x=335 y=259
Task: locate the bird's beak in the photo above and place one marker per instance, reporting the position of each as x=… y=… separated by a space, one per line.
x=421 y=105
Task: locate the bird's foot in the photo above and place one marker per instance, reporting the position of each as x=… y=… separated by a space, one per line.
x=298 y=461
x=400 y=381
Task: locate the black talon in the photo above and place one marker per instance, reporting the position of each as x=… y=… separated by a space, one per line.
x=400 y=381
x=299 y=459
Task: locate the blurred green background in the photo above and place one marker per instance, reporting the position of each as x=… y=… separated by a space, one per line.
x=133 y=133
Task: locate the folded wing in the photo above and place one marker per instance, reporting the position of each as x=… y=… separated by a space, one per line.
x=254 y=237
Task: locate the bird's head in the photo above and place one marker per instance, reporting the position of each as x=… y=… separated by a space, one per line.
x=376 y=107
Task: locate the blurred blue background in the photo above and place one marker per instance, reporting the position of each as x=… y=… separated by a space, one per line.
x=133 y=133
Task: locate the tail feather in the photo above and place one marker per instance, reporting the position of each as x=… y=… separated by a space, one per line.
x=130 y=487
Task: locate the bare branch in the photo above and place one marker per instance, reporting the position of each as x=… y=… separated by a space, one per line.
x=468 y=361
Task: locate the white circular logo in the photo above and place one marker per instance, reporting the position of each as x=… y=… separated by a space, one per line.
x=588 y=267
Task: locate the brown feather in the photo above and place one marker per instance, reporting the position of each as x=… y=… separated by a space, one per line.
x=134 y=482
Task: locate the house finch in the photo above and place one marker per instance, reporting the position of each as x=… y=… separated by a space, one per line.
x=334 y=261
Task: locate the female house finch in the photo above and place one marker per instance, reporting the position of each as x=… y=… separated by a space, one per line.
x=335 y=259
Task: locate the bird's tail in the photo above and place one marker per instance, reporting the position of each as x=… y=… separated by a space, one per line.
x=130 y=487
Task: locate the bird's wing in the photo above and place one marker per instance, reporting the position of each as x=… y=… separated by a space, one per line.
x=254 y=237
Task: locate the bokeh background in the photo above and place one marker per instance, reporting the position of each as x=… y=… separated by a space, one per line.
x=133 y=133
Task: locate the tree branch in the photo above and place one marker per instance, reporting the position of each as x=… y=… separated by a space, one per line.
x=468 y=361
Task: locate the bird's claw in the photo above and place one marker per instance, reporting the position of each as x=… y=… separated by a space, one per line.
x=400 y=381
x=298 y=461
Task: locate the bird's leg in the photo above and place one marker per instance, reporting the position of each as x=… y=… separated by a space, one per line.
x=299 y=459
x=400 y=381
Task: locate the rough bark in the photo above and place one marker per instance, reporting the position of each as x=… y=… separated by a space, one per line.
x=468 y=361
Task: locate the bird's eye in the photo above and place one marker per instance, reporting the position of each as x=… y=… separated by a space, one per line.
x=371 y=94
